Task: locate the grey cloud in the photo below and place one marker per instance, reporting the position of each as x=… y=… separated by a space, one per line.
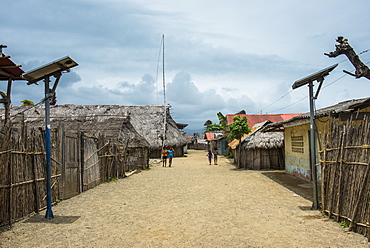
x=183 y=91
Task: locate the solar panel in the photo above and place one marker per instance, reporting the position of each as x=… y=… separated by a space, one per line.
x=313 y=77
x=63 y=64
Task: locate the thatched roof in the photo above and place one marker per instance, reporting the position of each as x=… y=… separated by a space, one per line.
x=345 y=106
x=350 y=106
x=147 y=120
x=128 y=135
x=266 y=140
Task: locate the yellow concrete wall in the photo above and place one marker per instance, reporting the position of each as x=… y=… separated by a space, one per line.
x=297 y=164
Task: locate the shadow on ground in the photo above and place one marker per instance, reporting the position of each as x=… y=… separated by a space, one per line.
x=37 y=218
x=293 y=183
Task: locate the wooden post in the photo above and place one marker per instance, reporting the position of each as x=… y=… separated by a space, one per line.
x=360 y=198
x=62 y=147
x=81 y=158
x=8 y=102
x=323 y=174
x=10 y=171
x=34 y=164
x=340 y=171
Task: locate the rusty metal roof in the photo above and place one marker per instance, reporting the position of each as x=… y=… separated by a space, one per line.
x=253 y=119
x=9 y=70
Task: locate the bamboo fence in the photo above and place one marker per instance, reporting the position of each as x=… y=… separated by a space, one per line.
x=113 y=160
x=22 y=177
x=22 y=167
x=345 y=161
x=90 y=161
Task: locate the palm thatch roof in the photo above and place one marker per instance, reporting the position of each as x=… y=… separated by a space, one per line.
x=266 y=140
x=128 y=135
x=147 y=120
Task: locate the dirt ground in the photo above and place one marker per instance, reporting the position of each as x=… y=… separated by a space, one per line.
x=191 y=204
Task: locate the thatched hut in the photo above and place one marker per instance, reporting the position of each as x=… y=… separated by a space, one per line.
x=265 y=150
x=153 y=122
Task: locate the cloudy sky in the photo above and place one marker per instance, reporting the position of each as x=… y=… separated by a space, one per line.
x=219 y=55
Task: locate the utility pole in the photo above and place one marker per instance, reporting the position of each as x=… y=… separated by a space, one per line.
x=319 y=77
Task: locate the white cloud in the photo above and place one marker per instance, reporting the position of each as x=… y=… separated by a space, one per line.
x=223 y=56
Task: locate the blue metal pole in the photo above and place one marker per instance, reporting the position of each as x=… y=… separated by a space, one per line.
x=49 y=212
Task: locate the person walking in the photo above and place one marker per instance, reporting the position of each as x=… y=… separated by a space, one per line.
x=215 y=155
x=170 y=156
x=209 y=155
x=164 y=157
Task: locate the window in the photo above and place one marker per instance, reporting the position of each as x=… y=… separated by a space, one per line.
x=297 y=144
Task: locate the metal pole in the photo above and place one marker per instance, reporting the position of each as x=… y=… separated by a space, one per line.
x=315 y=204
x=49 y=212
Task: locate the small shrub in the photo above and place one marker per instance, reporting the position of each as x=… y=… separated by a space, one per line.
x=344 y=224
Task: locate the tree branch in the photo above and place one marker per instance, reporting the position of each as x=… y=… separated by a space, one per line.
x=345 y=48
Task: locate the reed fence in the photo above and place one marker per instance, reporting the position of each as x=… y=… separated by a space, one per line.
x=79 y=163
x=198 y=146
x=345 y=161
x=22 y=177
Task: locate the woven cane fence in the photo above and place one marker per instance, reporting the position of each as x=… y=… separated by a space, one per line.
x=78 y=163
x=22 y=177
x=345 y=161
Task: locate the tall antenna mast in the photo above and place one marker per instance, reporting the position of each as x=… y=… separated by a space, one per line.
x=164 y=79
x=164 y=100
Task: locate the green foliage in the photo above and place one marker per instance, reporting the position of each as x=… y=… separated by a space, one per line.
x=3 y=97
x=208 y=122
x=214 y=128
x=344 y=224
x=229 y=153
x=222 y=126
x=238 y=128
x=112 y=179
x=206 y=125
x=241 y=112
x=27 y=103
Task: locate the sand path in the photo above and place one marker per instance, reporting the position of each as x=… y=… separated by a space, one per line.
x=191 y=204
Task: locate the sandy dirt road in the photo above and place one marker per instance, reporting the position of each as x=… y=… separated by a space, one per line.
x=191 y=204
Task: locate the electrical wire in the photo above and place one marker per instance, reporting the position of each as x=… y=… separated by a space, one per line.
x=21 y=112
x=365 y=51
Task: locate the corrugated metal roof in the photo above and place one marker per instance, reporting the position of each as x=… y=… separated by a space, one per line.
x=8 y=69
x=258 y=118
x=209 y=136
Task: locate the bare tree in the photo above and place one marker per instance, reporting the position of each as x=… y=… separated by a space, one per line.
x=345 y=48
